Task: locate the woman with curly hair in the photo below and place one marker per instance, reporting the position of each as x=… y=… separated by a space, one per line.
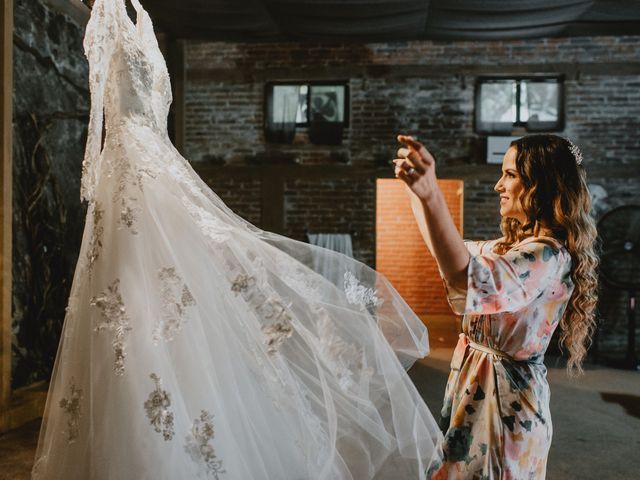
x=513 y=292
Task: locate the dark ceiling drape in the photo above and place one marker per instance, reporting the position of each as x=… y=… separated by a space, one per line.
x=388 y=20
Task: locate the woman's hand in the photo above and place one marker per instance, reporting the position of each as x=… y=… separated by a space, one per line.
x=416 y=167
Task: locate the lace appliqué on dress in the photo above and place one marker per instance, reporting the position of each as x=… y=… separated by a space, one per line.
x=97 y=230
x=211 y=226
x=157 y=408
x=71 y=406
x=345 y=359
x=269 y=308
x=180 y=169
x=298 y=276
x=126 y=179
x=198 y=446
x=176 y=297
x=358 y=294
x=115 y=318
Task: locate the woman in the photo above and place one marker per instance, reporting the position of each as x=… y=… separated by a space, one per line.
x=513 y=292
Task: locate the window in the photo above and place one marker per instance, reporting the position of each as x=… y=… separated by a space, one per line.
x=533 y=103
x=322 y=107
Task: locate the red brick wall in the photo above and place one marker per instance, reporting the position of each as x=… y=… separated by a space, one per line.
x=401 y=253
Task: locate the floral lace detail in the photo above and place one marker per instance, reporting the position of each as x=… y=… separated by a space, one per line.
x=176 y=297
x=127 y=179
x=344 y=359
x=270 y=309
x=180 y=169
x=198 y=446
x=242 y=283
x=97 y=231
x=298 y=277
x=211 y=226
x=278 y=332
x=128 y=217
x=358 y=294
x=115 y=318
x=71 y=406
x=157 y=408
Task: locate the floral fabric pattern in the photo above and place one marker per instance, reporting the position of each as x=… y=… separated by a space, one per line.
x=496 y=405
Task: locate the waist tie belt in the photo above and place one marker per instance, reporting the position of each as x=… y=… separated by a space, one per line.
x=486 y=349
x=465 y=342
x=461 y=348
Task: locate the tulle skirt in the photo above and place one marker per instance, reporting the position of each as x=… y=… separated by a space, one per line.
x=196 y=345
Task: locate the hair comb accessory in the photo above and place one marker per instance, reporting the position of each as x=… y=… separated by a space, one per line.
x=575 y=151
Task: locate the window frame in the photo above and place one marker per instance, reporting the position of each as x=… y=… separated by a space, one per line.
x=268 y=98
x=493 y=128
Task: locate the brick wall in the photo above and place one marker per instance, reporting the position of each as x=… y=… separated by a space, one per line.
x=332 y=205
x=401 y=253
x=248 y=203
x=424 y=88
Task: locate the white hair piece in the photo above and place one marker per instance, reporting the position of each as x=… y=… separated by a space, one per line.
x=577 y=154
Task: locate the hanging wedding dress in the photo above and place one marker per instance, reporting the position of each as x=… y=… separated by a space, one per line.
x=196 y=345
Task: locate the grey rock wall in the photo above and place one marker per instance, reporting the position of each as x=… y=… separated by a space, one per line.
x=50 y=105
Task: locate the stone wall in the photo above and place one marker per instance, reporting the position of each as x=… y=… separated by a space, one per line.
x=50 y=105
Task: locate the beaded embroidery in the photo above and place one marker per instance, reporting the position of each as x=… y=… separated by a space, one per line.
x=115 y=318
x=198 y=446
x=270 y=309
x=71 y=406
x=97 y=230
x=157 y=408
x=176 y=297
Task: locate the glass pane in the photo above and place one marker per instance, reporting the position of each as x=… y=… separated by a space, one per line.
x=301 y=113
x=498 y=102
x=327 y=103
x=539 y=101
x=289 y=104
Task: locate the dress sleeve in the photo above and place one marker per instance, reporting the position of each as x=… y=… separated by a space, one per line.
x=99 y=44
x=505 y=283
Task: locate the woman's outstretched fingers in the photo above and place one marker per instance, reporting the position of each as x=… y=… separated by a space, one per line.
x=407 y=166
x=413 y=144
x=404 y=176
x=410 y=142
x=401 y=165
x=414 y=160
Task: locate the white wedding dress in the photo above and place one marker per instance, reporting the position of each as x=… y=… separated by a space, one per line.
x=196 y=345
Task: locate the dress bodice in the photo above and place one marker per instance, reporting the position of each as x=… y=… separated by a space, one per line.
x=128 y=80
x=137 y=85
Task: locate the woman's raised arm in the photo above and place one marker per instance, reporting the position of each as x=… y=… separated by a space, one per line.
x=416 y=167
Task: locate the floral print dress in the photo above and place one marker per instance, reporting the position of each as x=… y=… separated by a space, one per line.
x=496 y=406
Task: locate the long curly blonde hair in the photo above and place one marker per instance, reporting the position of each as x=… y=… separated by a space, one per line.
x=555 y=196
